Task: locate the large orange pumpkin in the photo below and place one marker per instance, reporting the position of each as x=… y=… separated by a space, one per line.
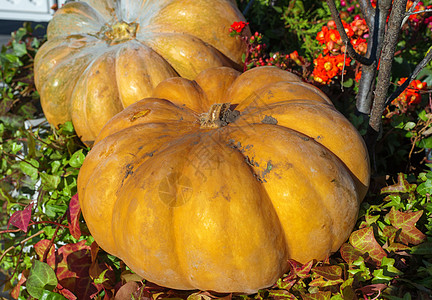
x=103 y=55
x=215 y=183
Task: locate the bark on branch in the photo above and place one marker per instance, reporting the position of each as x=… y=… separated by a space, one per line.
x=410 y=78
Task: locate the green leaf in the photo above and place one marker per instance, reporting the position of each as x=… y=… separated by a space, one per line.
x=66 y=128
x=100 y=279
x=49 y=182
x=425 y=143
x=423 y=116
x=425 y=188
x=387 y=264
x=55 y=165
x=19 y=49
x=47 y=295
x=77 y=159
x=348 y=83
x=409 y=125
x=347 y=291
x=422 y=249
x=16 y=147
x=277 y=9
x=42 y=277
x=379 y=277
x=30 y=168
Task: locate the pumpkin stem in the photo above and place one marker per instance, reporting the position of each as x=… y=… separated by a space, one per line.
x=119 y=32
x=219 y=115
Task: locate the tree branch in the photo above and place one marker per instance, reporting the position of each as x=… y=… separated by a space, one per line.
x=21 y=243
x=375 y=42
x=368 y=11
x=345 y=39
x=410 y=78
x=388 y=50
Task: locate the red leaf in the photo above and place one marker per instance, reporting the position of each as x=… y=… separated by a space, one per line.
x=73 y=260
x=65 y=292
x=84 y=288
x=364 y=241
x=40 y=248
x=372 y=289
x=16 y=290
x=329 y=272
x=317 y=296
x=349 y=253
x=21 y=219
x=125 y=292
x=73 y=215
x=397 y=247
x=302 y=271
x=94 y=249
x=402 y=186
x=322 y=282
x=281 y=294
x=390 y=233
x=406 y=222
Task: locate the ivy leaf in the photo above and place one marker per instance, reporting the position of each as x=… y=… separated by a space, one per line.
x=329 y=272
x=21 y=219
x=41 y=247
x=30 y=168
x=77 y=159
x=373 y=289
x=317 y=296
x=47 y=295
x=425 y=187
x=406 y=222
x=50 y=182
x=379 y=277
x=349 y=253
x=364 y=240
x=360 y=269
x=390 y=233
x=73 y=214
x=422 y=249
x=402 y=186
x=322 y=282
x=16 y=290
x=302 y=271
x=281 y=294
x=75 y=260
x=347 y=291
x=42 y=277
x=20 y=49
x=387 y=265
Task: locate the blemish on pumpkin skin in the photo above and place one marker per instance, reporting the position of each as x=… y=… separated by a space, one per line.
x=268 y=168
x=269 y=120
x=129 y=171
x=139 y=114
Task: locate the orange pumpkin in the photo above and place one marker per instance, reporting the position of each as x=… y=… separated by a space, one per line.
x=103 y=55
x=214 y=184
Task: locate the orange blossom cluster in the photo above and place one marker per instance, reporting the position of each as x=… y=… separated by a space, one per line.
x=331 y=64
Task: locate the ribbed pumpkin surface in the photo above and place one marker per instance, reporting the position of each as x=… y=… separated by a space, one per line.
x=103 y=55
x=211 y=201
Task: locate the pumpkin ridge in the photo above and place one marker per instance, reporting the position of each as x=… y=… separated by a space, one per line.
x=70 y=57
x=186 y=45
x=218 y=142
x=62 y=99
x=301 y=173
x=324 y=130
x=82 y=102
